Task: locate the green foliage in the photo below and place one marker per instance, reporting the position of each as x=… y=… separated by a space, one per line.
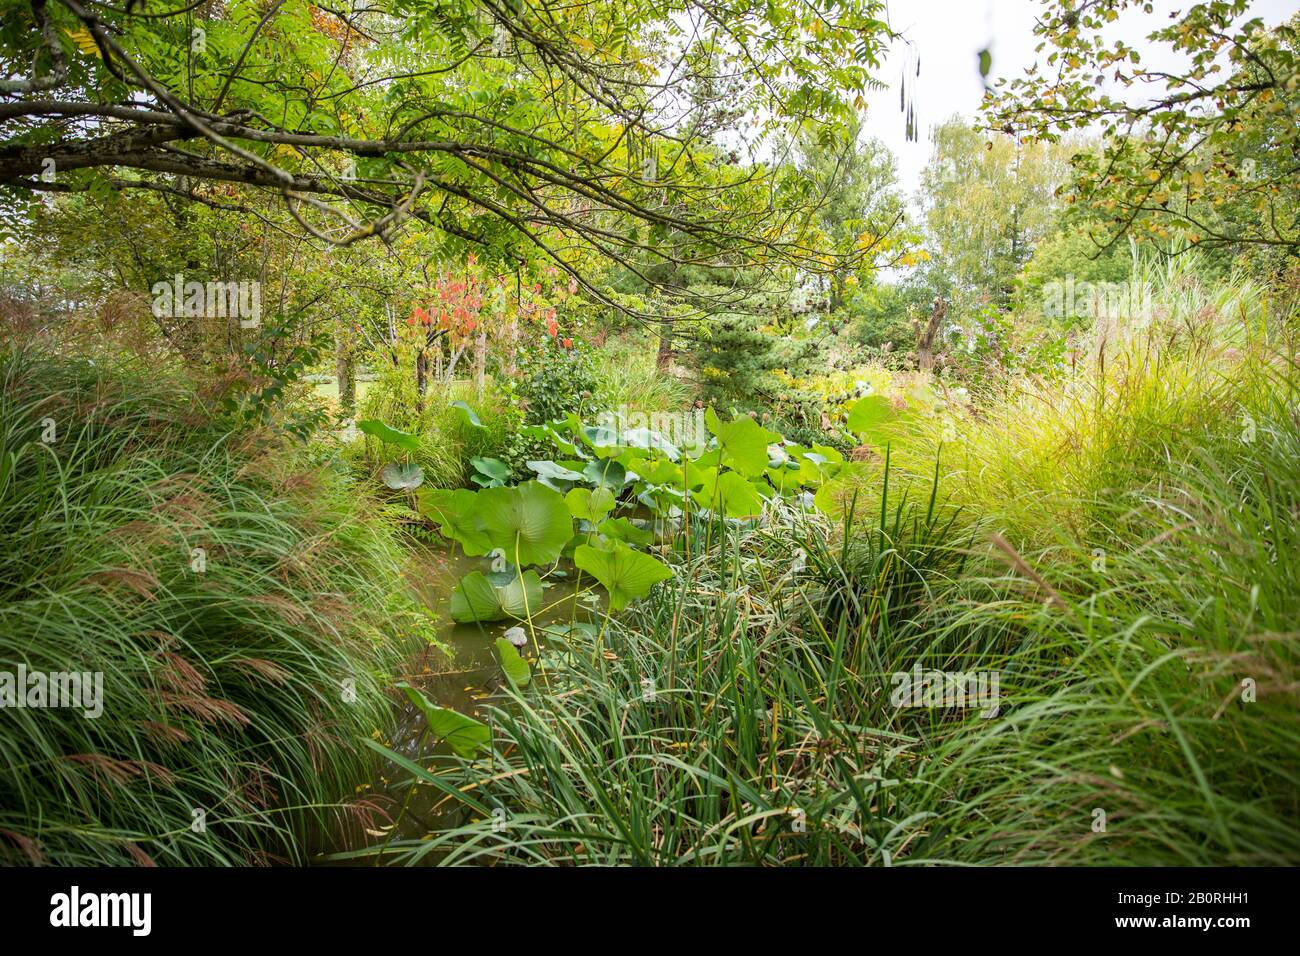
x=989 y=198
x=626 y=574
x=738 y=352
x=513 y=666
x=1201 y=157
x=244 y=608
x=466 y=736
x=553 y=382
x=1121 y=607
x=529 y=522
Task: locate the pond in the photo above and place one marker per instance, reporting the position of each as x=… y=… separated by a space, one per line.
x=462 y=683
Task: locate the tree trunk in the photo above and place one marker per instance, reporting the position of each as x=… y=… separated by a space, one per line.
x=664 y=356
x=925 y=343
x=421 y=378
x=344 y=371
x=480 y=358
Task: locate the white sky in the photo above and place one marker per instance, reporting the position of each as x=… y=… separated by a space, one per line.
x=948 y=35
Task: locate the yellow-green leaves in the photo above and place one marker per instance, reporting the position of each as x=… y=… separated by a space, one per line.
x=529 y=522
x=744 y=442
x=590 y=505
x=626 y=574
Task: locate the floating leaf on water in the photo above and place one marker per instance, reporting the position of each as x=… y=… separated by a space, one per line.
x=465 y=735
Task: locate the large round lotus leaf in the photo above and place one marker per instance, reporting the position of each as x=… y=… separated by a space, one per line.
x=606 y=473
x=529 y=522
x=476 y=598
x=489 y=473
x=743 y=441
x=846 y=492
x=621 y=529
x=457 y=515
x=590 y=505
x=554 y=475
x=626 y=574
x=732 y=495
x=868 y=415
x=662 y=472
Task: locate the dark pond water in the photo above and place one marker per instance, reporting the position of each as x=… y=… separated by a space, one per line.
x=465 y=682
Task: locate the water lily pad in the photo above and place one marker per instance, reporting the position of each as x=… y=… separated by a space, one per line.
x=584 y=629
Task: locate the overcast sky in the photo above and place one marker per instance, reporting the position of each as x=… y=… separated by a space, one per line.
x=948 y=35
